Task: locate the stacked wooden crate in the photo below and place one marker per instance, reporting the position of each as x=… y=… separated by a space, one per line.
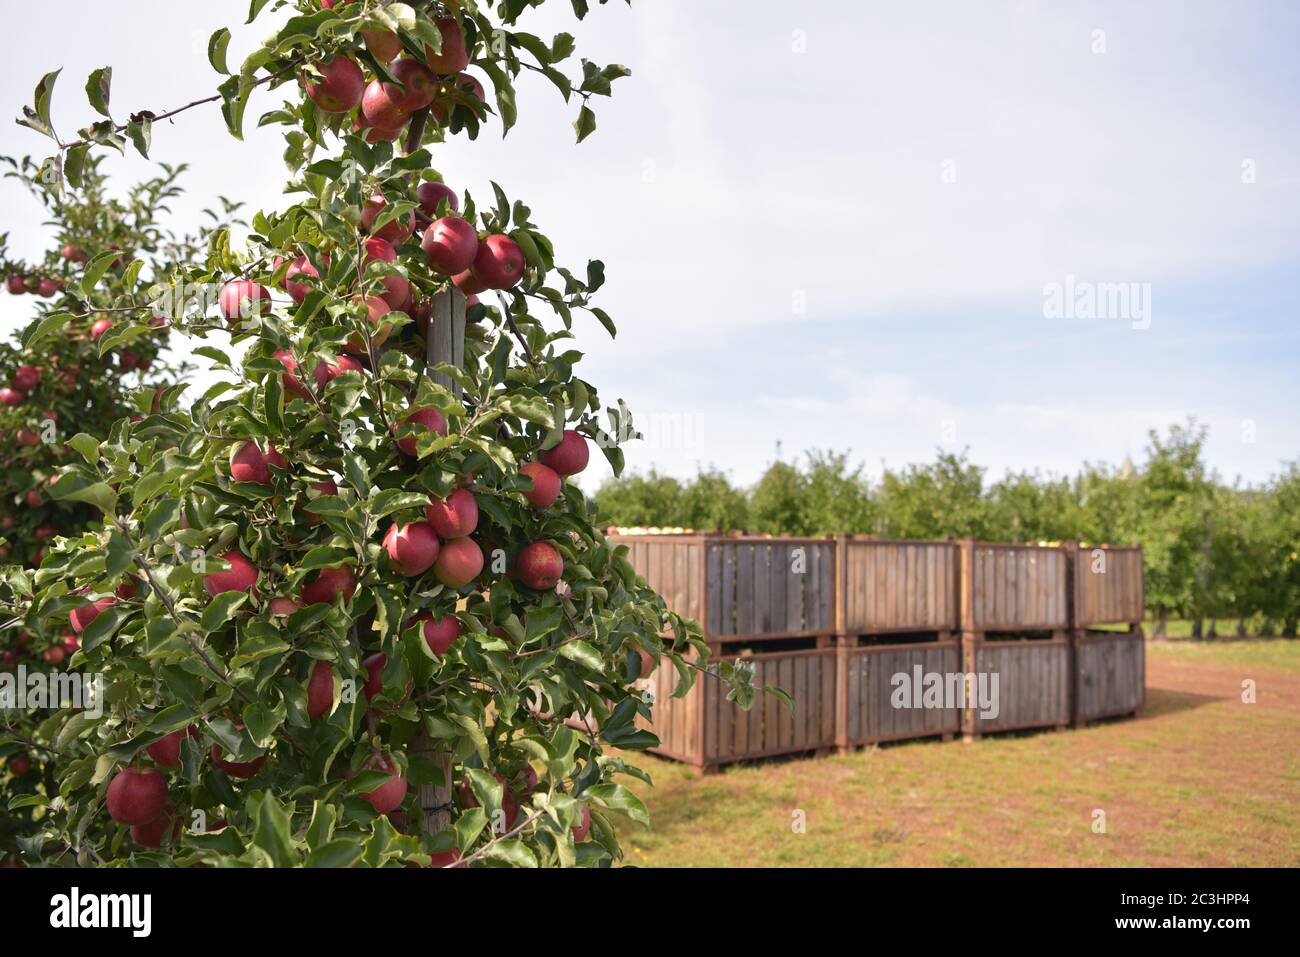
x=1109 y=665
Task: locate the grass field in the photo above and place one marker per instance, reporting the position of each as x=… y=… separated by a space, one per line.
x=1199 y=778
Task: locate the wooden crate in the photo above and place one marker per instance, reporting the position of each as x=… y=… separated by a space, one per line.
x=742 y=588
x=896 y=586
x=1109 y=674
x=865 y=692
x=1014 y=587
x=705 y=730
x=1109 y=587
x=1033 y=683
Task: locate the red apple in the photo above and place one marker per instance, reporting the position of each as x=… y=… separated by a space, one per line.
x=242 y=299
x=499 y=262
x=16 y=285
x=325 y=371
x=450 y=244
x=431 y=193
x=441 y=108
x=468 y=283
x=289 y=380
x=27 y=377
x=539 y=566
x=389 y=795
x=236 y=769
x=12 y=397
x=376 y=309
x=380 y=249
x=646 y=663
x=248 y=463
x=395 y=230
x=283 y=607
x=81 y=617
x=340 y=86
x=27 y=437
x=320 y=690
x=459 y=562
x=418 y=83
x=330 y=582
x=439 y=635
x=19 y=765
x=242 y=575
x=445 y=859
x=509 y=802
x=546 y=484
x=570 y=456
x=153 y=833
x=412 y=549
x=582 y=830
x=33 y=499
x=48 y=287
x=383 y=106
x=73 y=253
x=326 y=488
x=299 y=267
x=55 y=654
x=166 y=751
x=383 y=45
x=427 y=420
x=453 y=57
x=136 y=795
x=455 y=516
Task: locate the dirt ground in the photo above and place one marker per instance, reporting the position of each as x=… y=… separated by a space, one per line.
x=1199 y=778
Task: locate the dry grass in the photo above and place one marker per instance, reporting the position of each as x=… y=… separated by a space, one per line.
x=1200 y=778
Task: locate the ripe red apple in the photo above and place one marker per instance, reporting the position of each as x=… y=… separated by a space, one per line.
x=439 y=635
x=27 y=437
x=320 y=690
x=376 y=309
x=389 y=795
x=166 y=751
x=242 y=575
x=16 y=285
x=412 y=549
x=546 y=484
x=248 y=463
x=459 y=562
x=582 y=830
x=283 y=607
x=242 y=299
x=12 y=397
x=33 y=499
x=48 y=287
x=441 y=108
x=330 y=582
x=340 y=86
x=71 y=644
x=55 y=654
x=152 y=833
x=431 y=193
x=646 y=662
x=450 y=244
x=468 y=283
x=19 y=765
x=73 y=253
x=27 y=377
x=445 y=859
x=428 y=420
x=383 y=106
x=455 y=516
x=81 y=617
x=418 y=83
x=499 y=262
x=289 y=380
x=383 y=45
x=395 y=230
x=236 y=769
x=380 y=249
x=325 y=371
x=453 y=57
x=299 y=267
x=570 y=456
x=136 y=795
x=539 y=566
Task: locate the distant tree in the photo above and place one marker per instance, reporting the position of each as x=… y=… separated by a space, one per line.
x=1028 y=507
x=1281 y=535
x=651 y=499
x=711 y=503
x=777 y=501
x=837 y=499
x=945 y=499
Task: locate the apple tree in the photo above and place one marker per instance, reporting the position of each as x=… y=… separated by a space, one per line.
x=348 y=605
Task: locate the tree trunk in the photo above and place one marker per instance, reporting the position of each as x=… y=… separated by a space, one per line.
x=1213 y=630
x=1197 y=624
x=1288 y=628
x=1162 y=619
x=1241 y=627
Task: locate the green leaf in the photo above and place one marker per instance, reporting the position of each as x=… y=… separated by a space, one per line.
x=96 y=271
x=618 y=798
x=141 y=133
x=45 y=328
x=513 y=852
x=74 y=488
x=394 y=500
x=583 y=653
x=340 y=853
x=220 y=609
x=119 y=555
x=585 y=124
x=217 y=45
x=44 y=91
x=272 y=831
x=86 y=445
x=98 y=87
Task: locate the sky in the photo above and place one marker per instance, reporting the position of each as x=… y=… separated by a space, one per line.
x=1032 y=231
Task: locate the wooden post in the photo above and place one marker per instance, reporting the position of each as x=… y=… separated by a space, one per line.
x=842 y=693
x=446 y=335
x=446 y=343
x=969 y=637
